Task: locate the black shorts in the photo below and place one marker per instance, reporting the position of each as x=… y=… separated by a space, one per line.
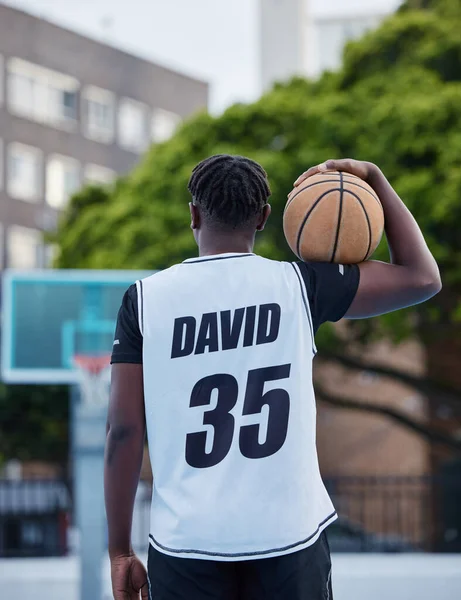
x=304 y=575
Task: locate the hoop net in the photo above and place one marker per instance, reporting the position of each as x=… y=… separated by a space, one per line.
x=94 y=377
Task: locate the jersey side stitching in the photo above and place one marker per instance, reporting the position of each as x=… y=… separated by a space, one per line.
x=140 y=306
x=328 y=585
x=149 y=586
x=306 y=305
x=323 y=524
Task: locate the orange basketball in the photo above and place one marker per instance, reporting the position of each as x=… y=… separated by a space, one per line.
x=333 y=217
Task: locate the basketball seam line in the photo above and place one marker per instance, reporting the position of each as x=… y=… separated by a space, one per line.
x=368 y=222
x=319 y=199
x=375 y=196
x=349 y=181
x=306 y=187
x=340 y=215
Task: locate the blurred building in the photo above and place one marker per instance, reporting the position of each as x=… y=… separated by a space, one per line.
x=306 y=37
x=281 y=40
x=72 y=110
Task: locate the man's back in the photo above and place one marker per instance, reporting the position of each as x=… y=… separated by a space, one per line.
x=228 y=344
x=215 y=356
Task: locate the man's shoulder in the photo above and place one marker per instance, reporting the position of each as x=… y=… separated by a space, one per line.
x=158 y=277
x=182 y=271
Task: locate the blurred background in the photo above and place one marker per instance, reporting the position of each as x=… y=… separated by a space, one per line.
x=105 y=108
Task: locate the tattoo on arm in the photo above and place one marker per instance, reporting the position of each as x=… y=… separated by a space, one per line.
x=117 y=436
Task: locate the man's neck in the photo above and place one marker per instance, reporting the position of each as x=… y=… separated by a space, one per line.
x=225 y=245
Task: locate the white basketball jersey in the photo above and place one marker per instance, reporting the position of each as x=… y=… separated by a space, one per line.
x=230 y=410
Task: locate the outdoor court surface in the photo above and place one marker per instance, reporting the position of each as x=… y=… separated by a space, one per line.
x=356 y=577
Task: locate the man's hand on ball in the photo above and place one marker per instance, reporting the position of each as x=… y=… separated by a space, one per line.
x=364 y=170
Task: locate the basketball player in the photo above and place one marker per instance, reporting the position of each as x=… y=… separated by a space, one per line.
x=214 y=356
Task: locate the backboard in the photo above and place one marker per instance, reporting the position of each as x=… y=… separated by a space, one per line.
x=49 y=316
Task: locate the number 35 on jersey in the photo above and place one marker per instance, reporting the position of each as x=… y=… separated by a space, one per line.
x=225 y=331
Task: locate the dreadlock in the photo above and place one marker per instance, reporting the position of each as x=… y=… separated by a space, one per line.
x=230 y=190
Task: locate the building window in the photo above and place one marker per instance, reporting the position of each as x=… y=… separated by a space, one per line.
x=1 y=78
x=21 y=95
x=99 y=175
x=164 y=124
x=24 y=172
x=1 y=164
x=62 y=180
x=133 y=130
x=41 y=94
x=23 y=247
x=68 y=104
x=99 y=111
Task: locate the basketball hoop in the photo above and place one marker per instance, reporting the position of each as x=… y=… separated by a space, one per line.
x=94 y=378
x=92 y=364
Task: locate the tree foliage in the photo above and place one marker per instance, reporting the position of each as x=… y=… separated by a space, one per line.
x=34 y=423
x=395 y=102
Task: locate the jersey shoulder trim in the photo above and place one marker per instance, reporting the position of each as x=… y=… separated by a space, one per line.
x=139 y=290
x=305 y=297
x=192 y=261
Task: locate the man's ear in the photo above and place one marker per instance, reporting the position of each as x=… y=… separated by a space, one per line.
x=266 y=212
x=195 y=216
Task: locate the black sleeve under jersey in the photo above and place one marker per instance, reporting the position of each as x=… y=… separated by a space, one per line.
x=127 y=346
x=331 y=288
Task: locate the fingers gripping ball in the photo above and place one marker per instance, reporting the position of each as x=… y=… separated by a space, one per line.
x=333 y=217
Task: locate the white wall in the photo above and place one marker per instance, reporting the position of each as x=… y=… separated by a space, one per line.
x=355 y=577
x=307 y=37
x=397 y=577
x=328 y=37
x=281 y=39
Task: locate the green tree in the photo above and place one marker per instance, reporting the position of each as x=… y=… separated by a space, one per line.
x=34 y=424
x=395 y=102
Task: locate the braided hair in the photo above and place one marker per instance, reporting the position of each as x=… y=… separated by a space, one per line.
x=230 y=190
